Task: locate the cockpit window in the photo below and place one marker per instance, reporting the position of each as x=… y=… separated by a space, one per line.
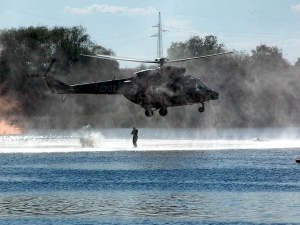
x=200 y=85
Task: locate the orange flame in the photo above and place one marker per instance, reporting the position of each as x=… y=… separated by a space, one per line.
x=8 y=111
x=9 y=128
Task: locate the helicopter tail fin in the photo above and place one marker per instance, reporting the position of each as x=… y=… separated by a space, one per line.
x=58 y=86
x=54 y=84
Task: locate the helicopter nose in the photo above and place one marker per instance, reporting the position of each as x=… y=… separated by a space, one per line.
x=214 y=95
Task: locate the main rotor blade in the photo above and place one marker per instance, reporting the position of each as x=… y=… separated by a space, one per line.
x=200 y=57
x=119 y=58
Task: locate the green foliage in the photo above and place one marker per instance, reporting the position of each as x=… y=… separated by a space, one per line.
x=297 y=64
x=30 y=50
x=265 y=58
x=195 y=47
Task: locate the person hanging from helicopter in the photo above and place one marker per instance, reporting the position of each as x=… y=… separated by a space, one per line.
x=134 y=132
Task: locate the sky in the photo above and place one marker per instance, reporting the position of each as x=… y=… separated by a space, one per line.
x=126 y=27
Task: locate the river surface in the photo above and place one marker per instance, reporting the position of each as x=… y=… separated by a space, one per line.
x=178 y=176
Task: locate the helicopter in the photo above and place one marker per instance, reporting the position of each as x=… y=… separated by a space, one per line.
x=152 y=89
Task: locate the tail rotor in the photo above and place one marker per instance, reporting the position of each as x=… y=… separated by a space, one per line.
x=47 y=71
x=50 y=67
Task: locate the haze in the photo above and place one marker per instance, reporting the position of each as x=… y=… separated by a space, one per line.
x=258 y=85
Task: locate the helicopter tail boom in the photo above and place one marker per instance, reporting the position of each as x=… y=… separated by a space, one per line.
x=103 y=87
x=109 y=87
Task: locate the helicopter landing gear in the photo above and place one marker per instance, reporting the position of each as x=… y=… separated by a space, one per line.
x=149 y=112
x=163 y=111
x=201 y=109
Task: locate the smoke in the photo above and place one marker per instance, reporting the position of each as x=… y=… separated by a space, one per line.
x=7 y=105
x=258 y=90
x=7 y=127
x=9 y=123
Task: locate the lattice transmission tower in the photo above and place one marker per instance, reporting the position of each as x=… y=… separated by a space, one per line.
x=159 y=37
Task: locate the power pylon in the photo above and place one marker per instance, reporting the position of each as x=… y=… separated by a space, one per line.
x=159 y=37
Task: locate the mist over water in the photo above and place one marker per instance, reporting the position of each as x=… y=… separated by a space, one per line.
x=150 y=140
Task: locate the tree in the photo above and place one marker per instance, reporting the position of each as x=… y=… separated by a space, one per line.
x=195 y=47
x=255 y=90
x=30 y=50
x=297 y=64
x=267 y=58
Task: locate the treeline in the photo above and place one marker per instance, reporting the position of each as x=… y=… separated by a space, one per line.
x=260 y=89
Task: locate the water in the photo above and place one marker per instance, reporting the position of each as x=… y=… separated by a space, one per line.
x=174 y=177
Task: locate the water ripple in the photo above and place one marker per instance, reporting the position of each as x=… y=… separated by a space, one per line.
x=192 y=206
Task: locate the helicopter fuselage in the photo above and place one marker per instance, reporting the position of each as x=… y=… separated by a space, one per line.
x=152 y=89
x=167 y=87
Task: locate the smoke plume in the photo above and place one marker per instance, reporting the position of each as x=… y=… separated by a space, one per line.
x=9 y=123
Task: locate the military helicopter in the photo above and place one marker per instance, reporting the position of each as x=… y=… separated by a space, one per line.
x=152 y=89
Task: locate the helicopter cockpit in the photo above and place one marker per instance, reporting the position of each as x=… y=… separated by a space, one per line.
x=201 y=86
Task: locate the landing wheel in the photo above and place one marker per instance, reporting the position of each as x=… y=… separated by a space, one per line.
x=163 y=111
x=201 y=109
x=149 y=112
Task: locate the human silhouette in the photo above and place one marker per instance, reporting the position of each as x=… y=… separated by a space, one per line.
x=134 y=132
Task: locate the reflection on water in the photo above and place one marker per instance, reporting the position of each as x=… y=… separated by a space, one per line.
x=173 y=206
